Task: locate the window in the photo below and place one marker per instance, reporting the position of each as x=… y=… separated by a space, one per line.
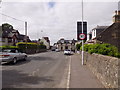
x=9 y=40
x=0 y=39
x=94 y=32
x=3 y=39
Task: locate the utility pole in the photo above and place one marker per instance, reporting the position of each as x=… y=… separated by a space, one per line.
x=26 y=36
x=82 y=40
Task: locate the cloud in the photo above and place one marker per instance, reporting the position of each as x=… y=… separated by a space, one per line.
x=57 y=19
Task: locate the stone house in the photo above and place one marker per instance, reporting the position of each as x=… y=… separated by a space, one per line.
x=63 y=44
x=111 y=35
x=45 y=41
x=94 y=33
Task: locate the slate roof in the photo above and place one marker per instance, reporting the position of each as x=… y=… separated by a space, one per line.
x=66 y=41
x=100 y=27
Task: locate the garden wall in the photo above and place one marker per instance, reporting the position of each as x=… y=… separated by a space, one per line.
x=106 y=69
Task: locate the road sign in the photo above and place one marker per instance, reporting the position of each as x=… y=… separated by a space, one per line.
x=82 y=36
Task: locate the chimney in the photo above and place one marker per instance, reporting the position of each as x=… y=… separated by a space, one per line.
x=118 y=12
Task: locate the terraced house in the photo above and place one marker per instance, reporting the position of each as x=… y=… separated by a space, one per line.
x=112 y=33
x=107 y=34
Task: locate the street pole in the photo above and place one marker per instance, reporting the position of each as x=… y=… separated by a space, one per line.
x=82 y=40
x=26 y=35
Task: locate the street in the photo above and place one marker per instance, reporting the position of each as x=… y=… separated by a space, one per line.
x=49 y=70
x=43 y=70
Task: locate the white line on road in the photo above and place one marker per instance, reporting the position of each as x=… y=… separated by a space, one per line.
x=69 y=73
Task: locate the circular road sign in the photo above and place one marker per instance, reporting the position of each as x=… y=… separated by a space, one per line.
x=82 y=36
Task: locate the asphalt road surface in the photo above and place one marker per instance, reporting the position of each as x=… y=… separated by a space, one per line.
x=43 y=70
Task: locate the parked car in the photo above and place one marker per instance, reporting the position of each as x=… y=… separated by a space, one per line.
x=68 y=52
x=12 y=55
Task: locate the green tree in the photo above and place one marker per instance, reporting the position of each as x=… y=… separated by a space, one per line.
x=7 y=26
x=78 y=46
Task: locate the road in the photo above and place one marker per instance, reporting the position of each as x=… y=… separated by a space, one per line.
x=43 y=70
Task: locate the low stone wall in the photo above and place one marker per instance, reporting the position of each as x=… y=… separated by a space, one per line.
x=105 y=68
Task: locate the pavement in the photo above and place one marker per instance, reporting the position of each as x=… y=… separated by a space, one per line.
x=81 y=76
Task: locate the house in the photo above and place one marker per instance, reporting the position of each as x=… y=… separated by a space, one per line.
x=63 y=44
x=23 y=38
x=10 y=36
x=0 y=35
x=45 y=41
x=111 y=35
x=94 y=33
x=97 y=30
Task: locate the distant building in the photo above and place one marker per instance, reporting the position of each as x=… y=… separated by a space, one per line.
x=63 y=44
x=45 y=41
x=79 y=29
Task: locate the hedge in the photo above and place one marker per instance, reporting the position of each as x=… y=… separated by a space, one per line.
x=104 y=49
x=8 y=47
x=23 y=46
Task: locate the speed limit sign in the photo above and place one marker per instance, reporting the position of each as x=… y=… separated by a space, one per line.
x=82 y=36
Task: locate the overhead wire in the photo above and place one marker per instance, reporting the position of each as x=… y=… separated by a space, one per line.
x=12 y=17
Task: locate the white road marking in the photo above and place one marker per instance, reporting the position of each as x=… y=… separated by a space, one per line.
x=33 y=73
x=69 y=73
x=1 y=68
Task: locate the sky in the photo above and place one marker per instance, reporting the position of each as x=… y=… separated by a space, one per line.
x=56 y=18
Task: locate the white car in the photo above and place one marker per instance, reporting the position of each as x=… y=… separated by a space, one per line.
x=67 y=52
x=11 y=55
x=57 y=50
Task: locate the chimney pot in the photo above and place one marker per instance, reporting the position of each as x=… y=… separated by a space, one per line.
x=118 y=12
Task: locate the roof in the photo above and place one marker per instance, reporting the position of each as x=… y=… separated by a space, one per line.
x=100 y=27
x=47 y=39
x=116 y=25
x=66 y=41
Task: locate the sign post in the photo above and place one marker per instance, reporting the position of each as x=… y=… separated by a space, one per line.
x=82 y=37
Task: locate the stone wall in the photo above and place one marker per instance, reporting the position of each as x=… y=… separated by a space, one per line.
x=105 y=68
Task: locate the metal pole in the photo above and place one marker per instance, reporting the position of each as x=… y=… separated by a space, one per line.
x=26 y=35
x=82 y=40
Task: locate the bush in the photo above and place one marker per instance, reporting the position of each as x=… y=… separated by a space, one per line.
x=78 y=46
x=23 y=46
x=8 y=47
x=104 y=49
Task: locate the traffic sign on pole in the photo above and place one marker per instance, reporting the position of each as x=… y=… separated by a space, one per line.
x=82 y=36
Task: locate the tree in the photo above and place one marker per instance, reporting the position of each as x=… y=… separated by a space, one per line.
x=7 y=26
x=78 y=46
